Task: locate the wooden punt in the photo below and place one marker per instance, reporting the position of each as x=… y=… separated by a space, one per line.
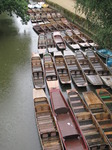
x=94 y=103
x=70 y=42
x=74 y=28
x=48 y=15
x=65 y=26
x=77 y=40
x=90 y=73
x=37 y=28
x=51 y=46
x=105 y=123
x=77 y=74
x=59 y=15
x=45 y=28
x=47 y=129
x=62 y=68
x=50 y=72
x=68 y=127
x=37 y=71
x=33 y=18
x=38 y=17
x=43 y=15
x=53 y=14
x=51 y=27
x=65 y=21
x=42 y=47
x=86 y=39
x=87 y=123
x=59 y=40
x=100 y=67
x=58 y=26
x=106 y=97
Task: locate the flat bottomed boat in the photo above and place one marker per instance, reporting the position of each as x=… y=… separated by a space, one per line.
x=77 y=74
x=70 y=42
x=37 y=71
x=87 y=123
x=51 y=46
x=42 y=47
x=90 y=73
x=50 y=71
x=100 y=67
x=106 y=97
x=59 y=41
x=46 y=126
x=69 y=130
x=62 y=68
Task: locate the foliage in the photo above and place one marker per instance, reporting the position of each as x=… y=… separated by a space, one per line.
x=99 y=13
x=19 y=7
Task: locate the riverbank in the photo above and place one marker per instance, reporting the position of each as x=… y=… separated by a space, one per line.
x=70 y=5
x=68 y=10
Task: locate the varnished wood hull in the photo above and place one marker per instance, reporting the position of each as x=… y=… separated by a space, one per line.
x=42 y=47
x=76 y=73
x=62 y=69
x=90 y=73
x=37 y=71
x=106 y=97
x=46 y=126
x=87 y=123
x=67 y=124
x=100 y=68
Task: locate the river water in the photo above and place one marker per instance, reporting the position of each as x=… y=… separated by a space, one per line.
x=17 y=118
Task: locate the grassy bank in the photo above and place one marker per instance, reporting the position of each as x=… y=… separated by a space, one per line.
x=86 y=26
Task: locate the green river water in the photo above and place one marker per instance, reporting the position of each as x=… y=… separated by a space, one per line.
x=17 y=117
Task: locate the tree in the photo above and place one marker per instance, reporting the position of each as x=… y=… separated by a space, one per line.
x=19 y=7
x=99 y=13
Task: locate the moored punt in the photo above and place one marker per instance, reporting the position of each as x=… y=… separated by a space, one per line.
x=46 y=126
x=59 y=40
x=48 y=15
x=94 y=103
x=100 y=67
x=68 y=127
x=42 y=47
x=76 y=39
x=45 y=28
x=37 y=28
x=87 y=123
x=106 y=97
x=33 y=18
x=86 y=39
x=62 y=69
x=77 y=75
x=51 y=46
x=70 y=42
x=37 y=71
x=50 y=72
x=57 y=26
x=90 y=73
x=105 y=122
x=51 y=27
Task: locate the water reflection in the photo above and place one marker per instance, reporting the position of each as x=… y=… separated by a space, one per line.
x=17 y=121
